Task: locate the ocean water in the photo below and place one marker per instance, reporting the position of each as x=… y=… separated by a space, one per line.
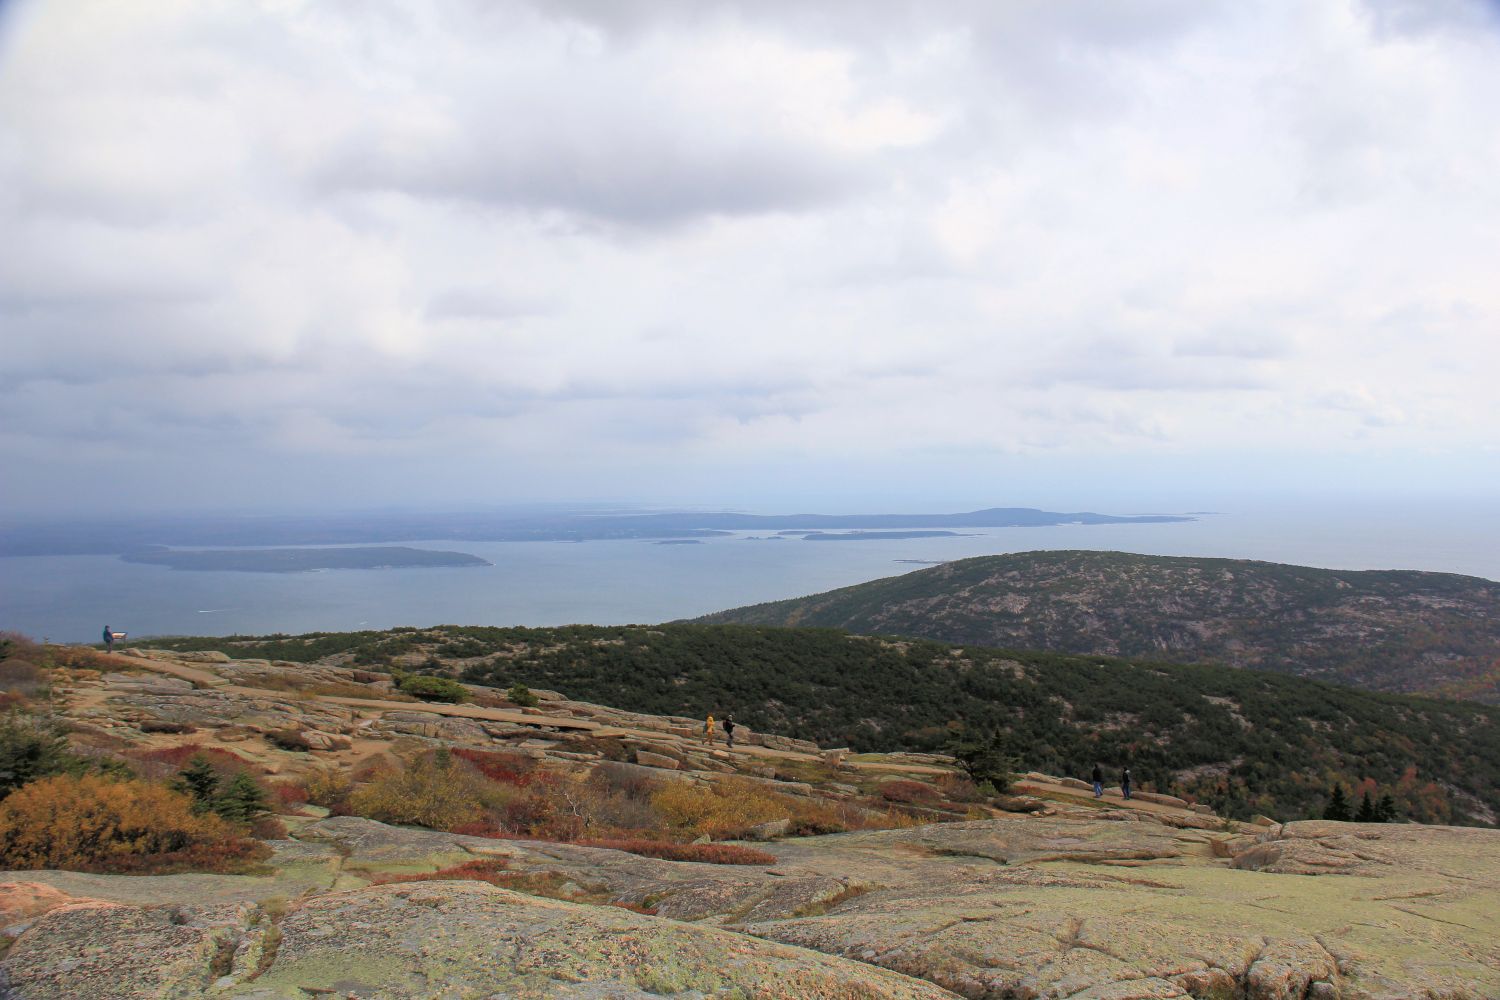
x=71 y=598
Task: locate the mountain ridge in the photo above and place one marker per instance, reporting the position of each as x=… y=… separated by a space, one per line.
x=1401 y=631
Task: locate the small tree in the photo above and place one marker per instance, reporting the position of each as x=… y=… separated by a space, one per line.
x=32 y=748
x=1338 y=805
x=199 y=781
x=520 y=694
x=1366 y=812
x=430 y=688
x=242 y=801
x=985 y=760
x=1385 y=810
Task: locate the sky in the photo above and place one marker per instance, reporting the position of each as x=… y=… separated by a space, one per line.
x=840 y=255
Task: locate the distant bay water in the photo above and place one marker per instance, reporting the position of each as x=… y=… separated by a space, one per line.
x=70 y=598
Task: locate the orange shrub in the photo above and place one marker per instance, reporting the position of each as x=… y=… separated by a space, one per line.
x=723 y=810
x=430 y=791
x=91 y=823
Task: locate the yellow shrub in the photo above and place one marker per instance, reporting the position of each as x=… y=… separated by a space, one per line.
x=434 y=791
x=725 y=809
x=93 y=822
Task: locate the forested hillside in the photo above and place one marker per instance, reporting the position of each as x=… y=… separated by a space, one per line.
x=1391 y=630
x=1239 y=740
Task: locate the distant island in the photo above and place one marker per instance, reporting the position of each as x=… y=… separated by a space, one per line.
x=300 y=560
x=679 y=541
x=130 y=535
x=866 y=536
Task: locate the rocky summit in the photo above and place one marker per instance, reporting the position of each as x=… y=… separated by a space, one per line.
x=1047 y=893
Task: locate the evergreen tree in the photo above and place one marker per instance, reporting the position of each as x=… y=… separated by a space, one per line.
x=199 y=781
x=242 y=800
x=1366 y=812
x=1338 y=805
x=1385 y=811
x=985 y=760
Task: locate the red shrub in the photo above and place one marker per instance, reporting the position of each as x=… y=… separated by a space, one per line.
x=168 y=761
x=289 y=793
x=909 y=791
x=491 y=870
x=713 y=854
x=506 y=768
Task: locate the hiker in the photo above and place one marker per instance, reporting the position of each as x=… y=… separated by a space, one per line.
x=1098 y=782
x=708 y=730
x=1125 y=782
x=729 y=730
x=109 y=640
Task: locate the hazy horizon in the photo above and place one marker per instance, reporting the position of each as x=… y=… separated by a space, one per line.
x=886 y=256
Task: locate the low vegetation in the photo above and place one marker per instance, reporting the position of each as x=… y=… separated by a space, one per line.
x=97 y=823
x=1244 y=742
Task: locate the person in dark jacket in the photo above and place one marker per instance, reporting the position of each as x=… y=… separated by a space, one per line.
x=109 y=640
x=1098 y=782
x=1125 y=782
x=729 y=730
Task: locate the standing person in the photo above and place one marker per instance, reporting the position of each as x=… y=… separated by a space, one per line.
x=1125 y=782
x=1098 y=782
x=708 y=730
x=729 y=730
x=109 y=640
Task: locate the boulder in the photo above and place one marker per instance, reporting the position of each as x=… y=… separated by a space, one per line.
x=1075 y=783
x=1161 y=799
x=772 y=830
x=648 y=759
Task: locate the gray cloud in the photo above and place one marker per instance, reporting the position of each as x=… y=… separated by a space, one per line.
x=606 y=247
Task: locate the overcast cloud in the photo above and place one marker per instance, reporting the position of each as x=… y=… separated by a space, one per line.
x=280 y=253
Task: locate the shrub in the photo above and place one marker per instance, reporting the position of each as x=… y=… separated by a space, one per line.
x=491 y=870
x=506 y=768
x=287 y=794
x=91 y=823
x=910 y=792
x=430 y=688
x=713 y=854
x=724 y=810
x=173 y=728
x=167 y=761
x=434 y=791
x=328 y=788
x=520 y=694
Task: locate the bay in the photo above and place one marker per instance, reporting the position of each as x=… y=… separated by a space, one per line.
x=71 y=598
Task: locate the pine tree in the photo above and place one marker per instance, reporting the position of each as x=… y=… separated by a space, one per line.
x=985 y=761
x=1366 y=812
x=199 y=781
x=1338 y=805
x=242 y=801
x=1385 y=812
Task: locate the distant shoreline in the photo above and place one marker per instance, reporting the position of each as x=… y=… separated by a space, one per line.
x=300 y=560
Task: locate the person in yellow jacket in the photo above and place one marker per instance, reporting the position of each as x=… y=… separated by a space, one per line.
x=708 y=729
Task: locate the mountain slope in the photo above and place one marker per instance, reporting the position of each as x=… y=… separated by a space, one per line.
x=1241 y=741
x=1391 y=630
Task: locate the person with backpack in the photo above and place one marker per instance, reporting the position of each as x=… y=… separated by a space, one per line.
x=1125 y=782
x=729 y=730
x=1098 y=782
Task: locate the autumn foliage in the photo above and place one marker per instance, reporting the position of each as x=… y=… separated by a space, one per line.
x=92 y=823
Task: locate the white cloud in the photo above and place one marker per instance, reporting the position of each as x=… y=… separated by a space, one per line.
x=604 y=241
